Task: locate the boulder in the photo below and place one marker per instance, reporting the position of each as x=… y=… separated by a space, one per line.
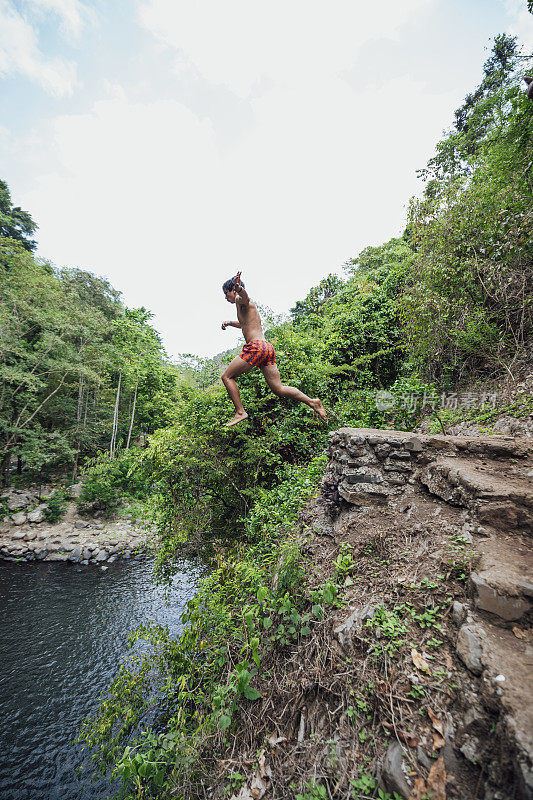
x=103 y=555
x=75 y=490
x=20 y=518
x=76 y=554
x=394 y=773
x=458 y=612
x=469 y=648
x=80 y=523
x=18 y=501
x=56 y=557
x=354 y=622
x=488 y=599
x=37 y=515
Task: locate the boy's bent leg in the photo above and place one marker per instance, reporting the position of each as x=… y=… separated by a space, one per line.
x=272 y=377
x=235 y=368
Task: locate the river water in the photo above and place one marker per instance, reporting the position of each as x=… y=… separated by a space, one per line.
x=63 y=634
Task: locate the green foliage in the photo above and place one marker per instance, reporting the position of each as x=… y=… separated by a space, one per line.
x=56 y=505
x=67 y=345
x=313 y=791
x=468 y=301
x=198 y=683
x=15 y=223
x=108 y=480
x=391 y=627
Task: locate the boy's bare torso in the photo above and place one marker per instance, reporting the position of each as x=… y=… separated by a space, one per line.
x=248 y=316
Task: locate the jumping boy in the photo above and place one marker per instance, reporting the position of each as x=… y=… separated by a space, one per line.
x=257 y=352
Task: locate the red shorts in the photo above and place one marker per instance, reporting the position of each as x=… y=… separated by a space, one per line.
x=258 y=353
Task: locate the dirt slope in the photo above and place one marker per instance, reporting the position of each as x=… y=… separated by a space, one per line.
x=418 y=678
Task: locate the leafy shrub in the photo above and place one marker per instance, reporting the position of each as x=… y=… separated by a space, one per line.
x=56 y=505
x=109 y=479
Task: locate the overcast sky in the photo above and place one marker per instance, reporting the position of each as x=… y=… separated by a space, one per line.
x=165 y=144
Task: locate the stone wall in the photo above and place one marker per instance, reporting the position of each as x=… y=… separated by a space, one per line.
x=491 y=476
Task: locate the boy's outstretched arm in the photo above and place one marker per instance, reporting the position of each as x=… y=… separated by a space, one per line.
x=242 y=294
x=231 y=324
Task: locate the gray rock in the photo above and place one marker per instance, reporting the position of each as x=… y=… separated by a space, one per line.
x=80 y=523
x=18 y=501
x=343 y=632
x=37 y=515
x=526 y=588
x=103 y=555
x=488 y=599
x=85 y=562
x=86 y=553
x=471 y=749
x=30 y=536
x=75 y=490
x=364 y=476
x=394 y=772
x=458 y=613
x=126 y=554
x=423 y=758
x=19 y=534
x=469 y=648
x=414 y=445
x=76 y=554
x=20 y=518
x=111 y=559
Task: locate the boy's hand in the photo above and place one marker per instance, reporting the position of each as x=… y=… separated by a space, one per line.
x=237 y=281
x=225 y=325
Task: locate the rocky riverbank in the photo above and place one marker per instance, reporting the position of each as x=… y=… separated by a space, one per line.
x=25 y=535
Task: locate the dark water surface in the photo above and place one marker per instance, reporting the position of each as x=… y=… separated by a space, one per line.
x=63 y=633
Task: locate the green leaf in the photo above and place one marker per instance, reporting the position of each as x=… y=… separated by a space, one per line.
x=251 y=693
x=224 y=722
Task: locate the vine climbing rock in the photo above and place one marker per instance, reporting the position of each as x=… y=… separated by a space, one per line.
x=481 y=490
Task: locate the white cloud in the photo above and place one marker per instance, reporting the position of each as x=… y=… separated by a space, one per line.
x=20 y=54
x=521 y=23
x=73 y=14
x=239 y=42
x=143 y=194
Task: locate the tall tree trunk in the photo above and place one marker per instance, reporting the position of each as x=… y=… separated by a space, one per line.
x=132 y=414
x=4 y=469
x=80 y=399
x=113 y=443
x=86 y=407
x=78 y=420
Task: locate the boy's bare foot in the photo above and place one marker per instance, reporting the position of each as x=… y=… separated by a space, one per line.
x=239 y=416
x=319 y=409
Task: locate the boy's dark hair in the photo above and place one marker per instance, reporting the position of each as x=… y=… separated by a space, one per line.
x=227 y=286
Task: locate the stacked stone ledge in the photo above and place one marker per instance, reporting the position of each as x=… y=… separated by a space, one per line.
x=368 y=465
x=25 y=535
